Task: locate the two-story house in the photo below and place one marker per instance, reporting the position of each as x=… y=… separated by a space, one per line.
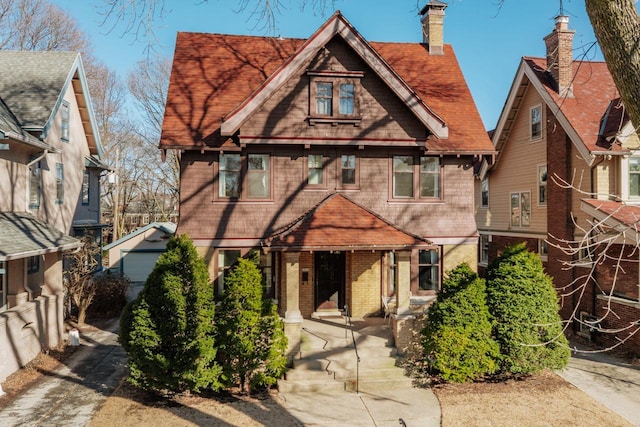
x=565 y=181
x=347 y=163
x=49 y=190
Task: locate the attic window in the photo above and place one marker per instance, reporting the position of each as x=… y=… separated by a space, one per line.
x=334 y=97
x=536 y=122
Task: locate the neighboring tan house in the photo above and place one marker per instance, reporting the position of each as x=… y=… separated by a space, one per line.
x=568 y=174
x=347 y=163
x=135 y=254
x=49 y=170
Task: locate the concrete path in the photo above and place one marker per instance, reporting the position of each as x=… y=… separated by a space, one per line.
x=608 y=380
x=72 y=394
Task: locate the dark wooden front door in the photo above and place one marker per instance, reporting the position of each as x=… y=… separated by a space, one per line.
x=328 y=282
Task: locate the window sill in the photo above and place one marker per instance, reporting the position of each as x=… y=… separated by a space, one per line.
x=243 y=201
x=335 y=121
x=415 y=201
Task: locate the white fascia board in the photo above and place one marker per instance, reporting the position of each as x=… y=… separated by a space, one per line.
x=508 y=105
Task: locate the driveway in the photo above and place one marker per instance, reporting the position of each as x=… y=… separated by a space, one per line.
x=72 y=394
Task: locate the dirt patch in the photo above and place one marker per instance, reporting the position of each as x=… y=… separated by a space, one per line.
x=131 y=406
x=541 y=400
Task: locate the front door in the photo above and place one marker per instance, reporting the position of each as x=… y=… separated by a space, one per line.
x=329 y=287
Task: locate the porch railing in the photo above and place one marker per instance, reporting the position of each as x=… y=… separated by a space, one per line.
x=349 y=327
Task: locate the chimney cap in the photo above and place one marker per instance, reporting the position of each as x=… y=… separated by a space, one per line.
x=433 y=4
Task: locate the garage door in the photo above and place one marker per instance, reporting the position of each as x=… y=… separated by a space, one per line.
x=137 y=265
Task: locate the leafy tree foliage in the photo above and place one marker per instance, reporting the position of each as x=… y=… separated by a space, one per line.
x=457 y=336
x=250 y=334
x=524 y=304
x=168 y=331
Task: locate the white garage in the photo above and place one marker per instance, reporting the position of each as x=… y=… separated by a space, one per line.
x=135 y=254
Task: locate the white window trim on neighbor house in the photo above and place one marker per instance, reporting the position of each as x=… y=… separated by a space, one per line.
x=625 y=174
x=523 y=220
x=485 y=239
x=535 y=135
x=484 y=189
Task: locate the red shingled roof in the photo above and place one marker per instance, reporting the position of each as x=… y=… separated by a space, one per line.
x=593 y=91
x=338 y=223
x=627 y=215
x=213 y=74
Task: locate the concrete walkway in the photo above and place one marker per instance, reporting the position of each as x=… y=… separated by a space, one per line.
x=608 y=380
x=72 y=394
x=379 y=402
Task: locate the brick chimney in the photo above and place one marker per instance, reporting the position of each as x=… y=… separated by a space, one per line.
x=433 y=26
x=560 y=55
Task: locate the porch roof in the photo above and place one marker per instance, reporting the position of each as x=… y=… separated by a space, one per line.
x=338 y=223
x=24 y=235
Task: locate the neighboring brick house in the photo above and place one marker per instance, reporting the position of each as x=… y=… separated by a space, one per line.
x=563 y=122
x=49 y=173
x=348 y=163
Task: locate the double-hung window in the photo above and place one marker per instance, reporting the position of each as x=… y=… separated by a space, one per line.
x=35 y=186
x=244 y=176
x=324 y=98
x=85 y=186
x=484 y=193
x=411 y=178
x=428 y=270
x=59 y=183
x=64 y=121
x=348 y=170
x=315 y=169
x=520 y=209
x=258 y=176
x=634 y=177
x=484 y=249
x=347 y=99
x=229 y=176
x=536 y=122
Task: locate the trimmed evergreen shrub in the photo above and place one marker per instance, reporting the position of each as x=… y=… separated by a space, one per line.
x=457 y=336
x=168 y=331
x=524 y=304
x=250 y=334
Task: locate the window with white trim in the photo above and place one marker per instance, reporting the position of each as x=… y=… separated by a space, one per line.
x=64 y=121
x=634 y=177
x=520 y=209
x=484 y=193
x=543 y=249
x=35 y=185
x=484 y=249
x=542 y=185
x=59 y=183
x=536 y=122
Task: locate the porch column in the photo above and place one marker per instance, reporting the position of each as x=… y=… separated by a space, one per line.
x=292 y=316
x=403 y=285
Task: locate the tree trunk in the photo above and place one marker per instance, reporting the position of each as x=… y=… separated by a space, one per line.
x=82 y=314
x=617 y=27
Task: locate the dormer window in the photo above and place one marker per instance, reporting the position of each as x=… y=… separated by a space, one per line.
x=334 y=97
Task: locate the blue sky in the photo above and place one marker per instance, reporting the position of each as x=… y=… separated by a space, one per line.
x=489 y=41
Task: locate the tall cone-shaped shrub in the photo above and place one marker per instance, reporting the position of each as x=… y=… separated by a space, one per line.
x=250 y=335
x=524 y=304
x=168 y=331
x=457 y=337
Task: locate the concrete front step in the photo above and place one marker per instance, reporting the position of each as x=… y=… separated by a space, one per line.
x=371 y=386
x=298 y=386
